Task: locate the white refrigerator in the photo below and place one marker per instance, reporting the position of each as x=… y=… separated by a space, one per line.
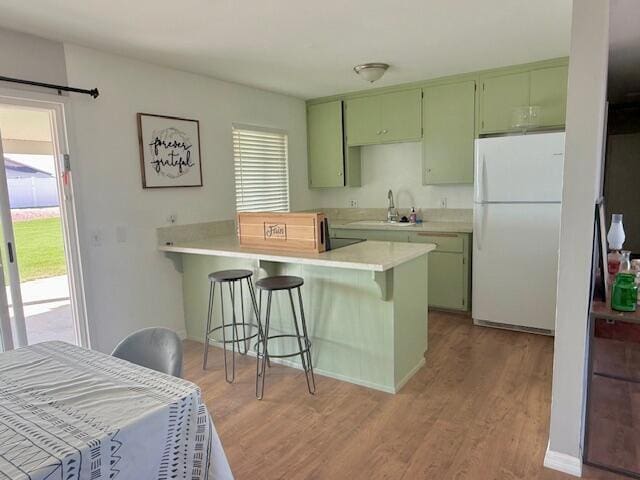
x=517 y=201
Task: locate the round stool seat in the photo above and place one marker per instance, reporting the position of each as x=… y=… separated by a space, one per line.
x=229 y=275
x=280 y=282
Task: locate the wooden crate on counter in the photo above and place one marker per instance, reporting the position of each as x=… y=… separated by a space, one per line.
x=295 y=232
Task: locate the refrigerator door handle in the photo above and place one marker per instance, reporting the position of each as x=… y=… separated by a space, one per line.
x=477 y=228
x=482 y=174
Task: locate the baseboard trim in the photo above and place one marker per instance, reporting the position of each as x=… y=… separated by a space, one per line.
x=408 y=376
x=563 y=463
x=517 y=328
x=324 y=373
x=182 y=333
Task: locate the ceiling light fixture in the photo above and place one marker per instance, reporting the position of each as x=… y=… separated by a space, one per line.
x=371 y=71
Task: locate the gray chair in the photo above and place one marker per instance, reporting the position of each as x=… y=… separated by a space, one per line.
x=156 y=348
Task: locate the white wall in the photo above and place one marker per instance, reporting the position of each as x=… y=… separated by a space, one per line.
x=397 y=166
x=131 y=285
x=582 y=170
x=29 y=57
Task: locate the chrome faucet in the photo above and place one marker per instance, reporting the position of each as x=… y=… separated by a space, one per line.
x=392 y=211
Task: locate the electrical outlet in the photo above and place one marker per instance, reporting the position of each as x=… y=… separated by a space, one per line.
x=172 y=218
x=96 y=237
x=443 y=202
x=121 y=234
x=353 y=203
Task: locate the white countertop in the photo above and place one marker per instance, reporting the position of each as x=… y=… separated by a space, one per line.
x=439 y=227
x=370 y=255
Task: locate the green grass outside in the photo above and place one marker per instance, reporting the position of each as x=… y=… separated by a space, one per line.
x=40 y=249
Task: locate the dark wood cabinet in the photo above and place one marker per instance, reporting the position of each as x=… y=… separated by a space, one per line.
x=612 y=439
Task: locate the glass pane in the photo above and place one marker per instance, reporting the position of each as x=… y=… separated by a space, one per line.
x=39 y=247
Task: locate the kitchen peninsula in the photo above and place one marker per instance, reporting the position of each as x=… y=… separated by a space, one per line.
x=366 y=303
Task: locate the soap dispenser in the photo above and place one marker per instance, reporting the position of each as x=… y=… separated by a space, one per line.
x=412 y=215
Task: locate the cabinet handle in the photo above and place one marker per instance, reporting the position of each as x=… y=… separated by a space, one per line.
x=379 y=132
x=437 y=234
x=339 y=174
x=385 y=131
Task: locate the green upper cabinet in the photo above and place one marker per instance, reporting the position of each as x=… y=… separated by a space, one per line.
x=448 y=113
x=330 y=163
x=325 y=145
x=401 y=116
x=386 y=118
x=549 y=92
x=499 y=97
x=363 y=120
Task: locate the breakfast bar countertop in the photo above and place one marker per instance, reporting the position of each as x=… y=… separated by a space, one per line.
x=368 y=255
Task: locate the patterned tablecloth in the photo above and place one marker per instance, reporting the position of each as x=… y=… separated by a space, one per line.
x=69 y=413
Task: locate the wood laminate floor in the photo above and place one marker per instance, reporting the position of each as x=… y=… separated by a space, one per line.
x=478 y=409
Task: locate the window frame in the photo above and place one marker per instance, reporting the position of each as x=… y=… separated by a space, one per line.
x=261 y=129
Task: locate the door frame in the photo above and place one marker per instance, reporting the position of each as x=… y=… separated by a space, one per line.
x=59 y=107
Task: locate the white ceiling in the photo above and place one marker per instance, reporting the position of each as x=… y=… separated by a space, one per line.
x=624 y=51
x=302 y=47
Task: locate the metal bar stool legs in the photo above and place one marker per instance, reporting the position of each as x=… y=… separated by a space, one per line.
x=207 y=331
x=260 y=366
x=308 y=371
x=287 y=283
x=231 y=277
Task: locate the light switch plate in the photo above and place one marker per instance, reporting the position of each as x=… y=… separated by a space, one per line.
x=96 y=237
x=121 y=234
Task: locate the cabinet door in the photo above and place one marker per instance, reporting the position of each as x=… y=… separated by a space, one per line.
x=549 y=91
x=325 y=145
x=448 y=113
x=363 y=121
x=401 y=116
x=498 y=99
x=446 y=280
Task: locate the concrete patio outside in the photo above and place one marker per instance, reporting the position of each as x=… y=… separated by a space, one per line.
x=47 y=310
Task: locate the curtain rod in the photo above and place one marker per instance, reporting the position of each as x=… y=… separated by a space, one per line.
x=60 y=88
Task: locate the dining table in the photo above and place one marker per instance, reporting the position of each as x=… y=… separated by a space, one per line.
x=70 y=413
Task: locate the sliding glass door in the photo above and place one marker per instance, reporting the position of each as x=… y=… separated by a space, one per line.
x=14 y=333
x=43 y=294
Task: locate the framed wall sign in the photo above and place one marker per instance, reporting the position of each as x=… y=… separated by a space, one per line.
x=169 y=151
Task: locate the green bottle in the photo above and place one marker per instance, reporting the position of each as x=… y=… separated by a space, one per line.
x=624 y=294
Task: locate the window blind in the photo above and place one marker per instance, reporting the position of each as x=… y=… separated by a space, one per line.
x=261 y=170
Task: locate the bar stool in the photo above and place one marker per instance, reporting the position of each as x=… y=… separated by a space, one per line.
x=230 y=277
x=288 y=283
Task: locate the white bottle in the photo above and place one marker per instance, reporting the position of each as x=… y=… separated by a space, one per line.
x=616 y=236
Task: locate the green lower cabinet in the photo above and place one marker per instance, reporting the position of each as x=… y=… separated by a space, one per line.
x=449 y=264
x=447 y=281
x=449 y=269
